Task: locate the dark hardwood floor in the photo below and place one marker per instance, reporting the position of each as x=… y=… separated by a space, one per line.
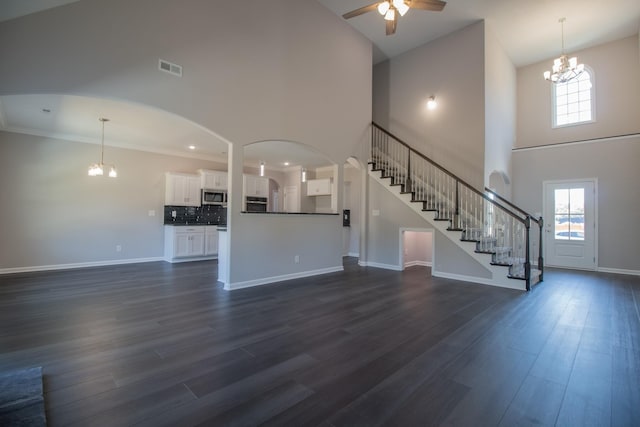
x=163 y=344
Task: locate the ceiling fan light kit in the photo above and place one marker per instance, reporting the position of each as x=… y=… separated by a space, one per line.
x=391 y=9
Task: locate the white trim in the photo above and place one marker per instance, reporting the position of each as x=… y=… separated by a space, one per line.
x=77 y=265
x=567 y=144
x=380 y=265
x=618 y=271
x=354 y=254
x=480 y=280
x=266 y=280
x=420 y=263
x=189 y=259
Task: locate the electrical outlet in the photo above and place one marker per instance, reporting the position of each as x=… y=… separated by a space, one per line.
x=118 y=248
x=296 y=259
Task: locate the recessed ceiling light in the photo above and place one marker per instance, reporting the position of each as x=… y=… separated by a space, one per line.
x=286 y=163
x=192 y=147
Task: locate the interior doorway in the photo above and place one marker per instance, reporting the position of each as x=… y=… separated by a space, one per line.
x=352 y=199
x=291 y=199
x=416 y=247
x=571 y=226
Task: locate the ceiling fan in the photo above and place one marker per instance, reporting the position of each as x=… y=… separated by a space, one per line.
x=390 y=9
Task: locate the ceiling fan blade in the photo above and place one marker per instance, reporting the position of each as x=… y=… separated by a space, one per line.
x=432 y=5
x=391 y=26
x=360 y=11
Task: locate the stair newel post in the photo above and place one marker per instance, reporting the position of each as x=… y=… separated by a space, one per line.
x=540 y=252
x=527 y=256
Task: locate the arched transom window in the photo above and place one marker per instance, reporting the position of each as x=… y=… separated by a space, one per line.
x=573 y=101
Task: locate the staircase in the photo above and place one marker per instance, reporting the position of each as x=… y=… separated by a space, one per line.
x=492 y=230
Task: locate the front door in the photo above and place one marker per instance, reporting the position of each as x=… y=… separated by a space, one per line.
x=570 y=224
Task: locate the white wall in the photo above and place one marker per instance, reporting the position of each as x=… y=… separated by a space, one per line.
x=500 y=110
x=616 y=67
x=613 y=161
x=451 y=69
x=279 y=70
x=54 y=214
x=352 y=175
x=615 y=164
x=383 y=237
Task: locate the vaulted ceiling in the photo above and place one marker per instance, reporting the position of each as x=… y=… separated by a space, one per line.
x=527 y=29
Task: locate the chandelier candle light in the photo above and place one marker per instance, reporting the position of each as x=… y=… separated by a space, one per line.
x=564 y=68
x=97 y=169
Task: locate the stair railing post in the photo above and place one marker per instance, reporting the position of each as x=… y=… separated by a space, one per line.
x=456 y=217
x=527 y=263
x=407 y=181
x=540 y=252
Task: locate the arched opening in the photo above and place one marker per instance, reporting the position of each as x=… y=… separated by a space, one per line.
x=298 y=179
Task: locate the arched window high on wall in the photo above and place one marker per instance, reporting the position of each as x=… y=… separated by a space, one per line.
x=574 y=101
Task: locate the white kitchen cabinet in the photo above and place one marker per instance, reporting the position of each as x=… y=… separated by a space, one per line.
x=319 y=187
x=213 y=180
x=211 y=241
x=255 y=186
x=190 y=243
x=184 y=242
x=182 y=189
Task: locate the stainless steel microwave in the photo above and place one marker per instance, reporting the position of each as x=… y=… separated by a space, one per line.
x=214 y=197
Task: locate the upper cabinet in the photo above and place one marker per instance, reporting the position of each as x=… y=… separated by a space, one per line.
x=182 y=189
x=319 y=187
x=213 y=180
x=256 y=186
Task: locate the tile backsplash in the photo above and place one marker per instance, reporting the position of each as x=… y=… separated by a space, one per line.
x=204 y=215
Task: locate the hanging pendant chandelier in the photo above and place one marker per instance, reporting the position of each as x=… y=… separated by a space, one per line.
x=97 y=169
x=564 y=68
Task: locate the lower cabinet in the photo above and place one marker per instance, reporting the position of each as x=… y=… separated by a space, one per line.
x=211 y=241
x=190 y=243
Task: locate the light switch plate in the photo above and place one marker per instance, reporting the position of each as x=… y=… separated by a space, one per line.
x=152 y=213
x=375 y=212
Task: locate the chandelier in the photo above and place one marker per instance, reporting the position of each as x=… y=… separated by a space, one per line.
x=564 y=68
x=97 y=169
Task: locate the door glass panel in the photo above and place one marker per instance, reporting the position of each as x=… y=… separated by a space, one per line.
x=562 y=200
x=569 y=214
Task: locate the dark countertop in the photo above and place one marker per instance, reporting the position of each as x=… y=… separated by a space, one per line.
x=288 y=213
x=190 y=224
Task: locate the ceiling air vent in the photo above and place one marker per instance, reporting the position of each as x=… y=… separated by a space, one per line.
x=170 y=68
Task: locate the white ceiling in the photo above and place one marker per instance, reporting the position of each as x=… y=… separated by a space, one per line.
x=527 y=29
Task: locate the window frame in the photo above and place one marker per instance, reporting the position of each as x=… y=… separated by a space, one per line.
x=554 y=105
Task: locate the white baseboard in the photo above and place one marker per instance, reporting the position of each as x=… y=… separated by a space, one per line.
x=517 y=284
x=266 y=280
x=420 y=263
x=619 y=271
x=202 y=258
x=380 y=265
x=77 y=265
